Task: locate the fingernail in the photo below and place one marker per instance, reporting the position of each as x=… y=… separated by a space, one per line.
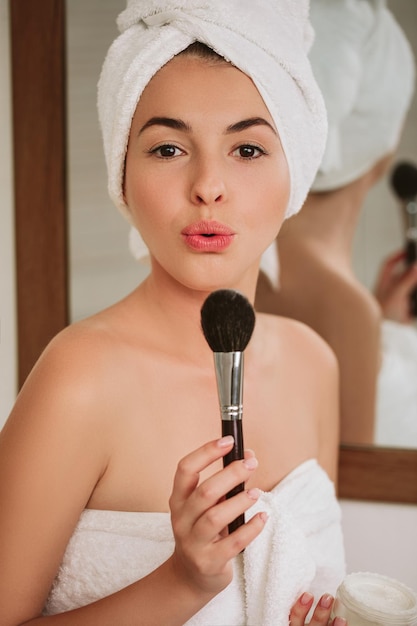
x=339 y=621
x=250 y=463
x=225 y=442
x=253 y=494
x=264 y=516
x=306 y=598
x=326 y=601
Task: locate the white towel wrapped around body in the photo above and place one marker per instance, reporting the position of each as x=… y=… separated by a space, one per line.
x=300 y=549
x=267 y=39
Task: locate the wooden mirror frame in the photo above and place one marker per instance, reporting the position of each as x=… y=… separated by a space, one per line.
x=40 y=155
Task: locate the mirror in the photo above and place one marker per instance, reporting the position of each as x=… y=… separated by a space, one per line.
x=46 y=219
x=381 y=232
x=368 y=93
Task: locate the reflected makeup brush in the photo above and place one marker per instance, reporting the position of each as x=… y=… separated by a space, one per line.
x=404 y=184
x=228 y=320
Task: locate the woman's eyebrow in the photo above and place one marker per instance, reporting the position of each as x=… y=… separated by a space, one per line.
x=169 y=122
x=178 y=124
x=251 y=121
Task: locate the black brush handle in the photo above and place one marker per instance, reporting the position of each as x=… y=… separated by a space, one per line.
x=411 y=257
x=234 y=428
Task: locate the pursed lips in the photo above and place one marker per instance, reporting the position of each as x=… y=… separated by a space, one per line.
x=208 y=236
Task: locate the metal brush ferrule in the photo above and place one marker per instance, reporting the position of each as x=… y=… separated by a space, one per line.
x=229 y=375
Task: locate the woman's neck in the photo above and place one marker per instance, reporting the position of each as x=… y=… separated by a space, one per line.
x=326 y=225
x=175 y=312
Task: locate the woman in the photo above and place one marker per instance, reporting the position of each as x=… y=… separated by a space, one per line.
x=367 y=90
x=111 y=478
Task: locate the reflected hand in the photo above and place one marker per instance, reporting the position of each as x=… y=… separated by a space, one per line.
x=394 y=286
x=321 y=615
x=200 y=515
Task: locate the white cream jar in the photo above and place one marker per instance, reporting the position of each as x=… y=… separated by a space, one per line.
x=366 y=599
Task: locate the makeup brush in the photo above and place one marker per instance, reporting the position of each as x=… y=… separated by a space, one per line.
x=404 y=184
x=228 y=320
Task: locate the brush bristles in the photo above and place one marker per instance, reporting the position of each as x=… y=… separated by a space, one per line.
x=404 y=181
x=227 y=320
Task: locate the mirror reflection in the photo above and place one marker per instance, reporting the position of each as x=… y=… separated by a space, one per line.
x=368 y=89
x=103 y=270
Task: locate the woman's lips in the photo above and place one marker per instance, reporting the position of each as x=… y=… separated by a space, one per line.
x=208 y=236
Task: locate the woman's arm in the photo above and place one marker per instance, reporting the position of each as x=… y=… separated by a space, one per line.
x=53 y=451
x=328 y=410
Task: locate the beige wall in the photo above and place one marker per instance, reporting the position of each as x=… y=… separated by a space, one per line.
x=101 y=268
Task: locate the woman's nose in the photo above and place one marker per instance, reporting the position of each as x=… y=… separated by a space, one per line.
x=208 y=185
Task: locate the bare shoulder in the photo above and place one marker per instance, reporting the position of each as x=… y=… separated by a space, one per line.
x=83 y=349
x=350 y=321
x=350 y=296
x=76 y=376
x=301 y=345
x=298 y=355
x=304 y=370
x=340 y=298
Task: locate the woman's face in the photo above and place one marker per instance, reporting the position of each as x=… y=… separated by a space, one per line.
x=206 y=179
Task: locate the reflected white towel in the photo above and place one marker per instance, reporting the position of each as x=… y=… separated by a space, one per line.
x=396 y=412
x=367 y=86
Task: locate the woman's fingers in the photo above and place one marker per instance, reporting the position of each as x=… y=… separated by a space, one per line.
x=300 y=609
x=210 y=558
x=321 y=614
x=389 y=272
x=200 y=514
x=189 y=468
x=206 y=512
x=218 y=517
x=215 y=487
x=395 y=257
x=395 y=301
x=408 y=281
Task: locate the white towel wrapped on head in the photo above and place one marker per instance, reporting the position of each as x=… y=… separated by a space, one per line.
x=365 y=69
x=267 y=39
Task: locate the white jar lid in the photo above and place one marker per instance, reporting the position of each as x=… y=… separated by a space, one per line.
x=379 y=597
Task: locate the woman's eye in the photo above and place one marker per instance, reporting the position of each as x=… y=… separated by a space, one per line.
x=167 y=151
x=248 y=151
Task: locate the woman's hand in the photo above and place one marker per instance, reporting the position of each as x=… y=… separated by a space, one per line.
x=200 y=515
x=394 y=286
x=321 y=615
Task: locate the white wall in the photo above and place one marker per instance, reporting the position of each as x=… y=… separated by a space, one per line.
x=378 y=537
x=381 y=538
x=8 y=374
